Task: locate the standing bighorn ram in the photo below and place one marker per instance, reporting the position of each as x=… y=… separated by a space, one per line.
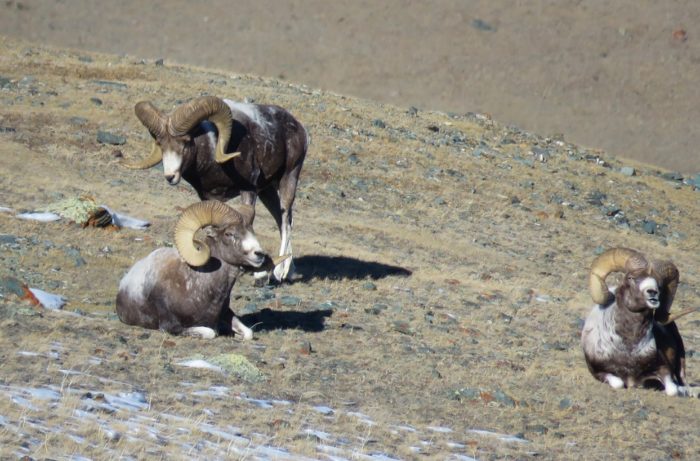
x=225 y=149
x=187 y=289
x=628 y=338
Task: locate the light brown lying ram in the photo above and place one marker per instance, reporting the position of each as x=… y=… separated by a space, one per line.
x=186 y=290
x=628 y=338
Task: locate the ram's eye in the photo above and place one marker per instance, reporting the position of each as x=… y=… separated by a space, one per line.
x=231 y=235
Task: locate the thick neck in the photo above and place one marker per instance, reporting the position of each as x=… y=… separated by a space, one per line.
x=632 y=326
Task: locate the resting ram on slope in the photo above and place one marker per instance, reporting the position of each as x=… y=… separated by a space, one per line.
x=186 y=290
x=628 y=338
x=225 y=149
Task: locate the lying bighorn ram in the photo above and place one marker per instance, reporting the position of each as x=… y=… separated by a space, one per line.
x=628 y=338
x=225 y=148
x=186 y=290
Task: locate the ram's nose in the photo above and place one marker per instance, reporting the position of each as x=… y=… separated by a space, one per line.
x=172 y=179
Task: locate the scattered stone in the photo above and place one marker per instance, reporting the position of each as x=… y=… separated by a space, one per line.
x=87 y=59
x=249 y=308
x=439 y=201
x=596 y=198
x=376 y=309
x=7 y=129
x=305 y=348
x=649 y=226
x=379 y=123
x=503 y=398
x=160 y=62
x=96 y=101
x=7 y=239
x=672 y=176
x=482 y=25
x=369 y=286
x=565 y=403
x=404 y=327
x=79 y=121
x=105 y=137
x=288 y=300
x=537 y=429
x=10 y=285
x=108 y=83
x=74 y=253
x=4 y=82
x=628 y=171
x=412 y=111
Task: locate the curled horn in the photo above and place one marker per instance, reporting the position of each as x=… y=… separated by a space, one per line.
x=203 y=108
x=193 y=251
x=155 y=121
x=666 y=273
x=613 y=260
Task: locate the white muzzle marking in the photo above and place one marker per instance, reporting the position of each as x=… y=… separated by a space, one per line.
x=252 y=250
x=650 y=289
x=171 y=167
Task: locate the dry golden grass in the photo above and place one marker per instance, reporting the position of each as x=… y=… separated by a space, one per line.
x=497 y=246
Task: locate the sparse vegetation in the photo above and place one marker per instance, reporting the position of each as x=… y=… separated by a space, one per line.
x=443 y=261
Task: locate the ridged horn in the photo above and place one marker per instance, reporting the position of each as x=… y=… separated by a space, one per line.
x=613 y=260
x=196 y=216
x=211 y=108
x=155 y=122
x=668 y=276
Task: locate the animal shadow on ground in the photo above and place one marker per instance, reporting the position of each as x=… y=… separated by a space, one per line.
x=342 y=267
x=268 y=319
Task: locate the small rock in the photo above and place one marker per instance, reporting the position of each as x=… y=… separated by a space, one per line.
x=87 y=59
x=649 y=226
x=105 y=137
x=160 y=62
x=369 y=286
x=439 y=201
x=4 y=82
x=249 y=308
x=503 y=398
x=376 y=309
x=403 y=326
x=537 y=429
x=412 y=111
x=379 y=123
x=482 y=25
x=74 y=253
x=11 y=285
x=565 y=403
x=96 y=101
x=7 y=238
x=305 y=348
x=288 y=300
x=8 y=129
x=672 y=176
x=596 y=198
x=79 y=121
x=628 y=171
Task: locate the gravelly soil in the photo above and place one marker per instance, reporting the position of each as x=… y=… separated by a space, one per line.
x=442 y=263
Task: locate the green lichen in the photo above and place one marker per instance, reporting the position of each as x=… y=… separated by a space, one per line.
x=238 y=365
x=76 y=209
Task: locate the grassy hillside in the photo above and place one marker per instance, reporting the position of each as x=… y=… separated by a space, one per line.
x=442 y=260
